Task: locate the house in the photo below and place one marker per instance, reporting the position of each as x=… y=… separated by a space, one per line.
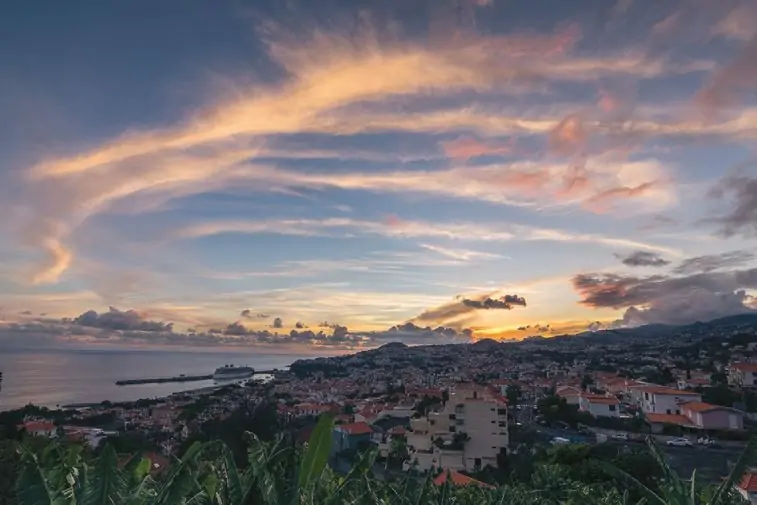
x=469 y=431
x=570 y=394
x=699 y=416
x=747 y=487
x=458 y=479
x=351 y=437
x=599 y=405
x=742 y=374
x=658 y=421
x=706 y=416
x=39 y=428
x=663 y=400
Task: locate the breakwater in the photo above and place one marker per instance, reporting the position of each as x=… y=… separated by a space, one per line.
x=162 y=380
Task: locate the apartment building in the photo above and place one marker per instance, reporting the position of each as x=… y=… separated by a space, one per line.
x=468 y=432
x=742 y=374
x=663 y=400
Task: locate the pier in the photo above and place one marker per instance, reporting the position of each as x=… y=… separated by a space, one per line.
x=181 y=378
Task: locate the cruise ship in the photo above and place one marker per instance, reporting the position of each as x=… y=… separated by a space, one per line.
x=231 y=372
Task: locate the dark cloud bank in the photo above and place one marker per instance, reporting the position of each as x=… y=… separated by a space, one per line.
x=698 y=289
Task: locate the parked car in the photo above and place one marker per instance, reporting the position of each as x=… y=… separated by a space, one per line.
x=622 y=437
x=559 y=441
x=708 y=442
x=679 y=442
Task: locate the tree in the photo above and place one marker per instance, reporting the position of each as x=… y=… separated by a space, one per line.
x=586 y=381
x=514 y=394
x=398 y=449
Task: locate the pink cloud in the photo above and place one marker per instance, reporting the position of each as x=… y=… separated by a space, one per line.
x=603 y=201
x=569 y=136
x=464 y=148
x=731 y=82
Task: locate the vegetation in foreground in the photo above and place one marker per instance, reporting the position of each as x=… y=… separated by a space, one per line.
x=281 y=473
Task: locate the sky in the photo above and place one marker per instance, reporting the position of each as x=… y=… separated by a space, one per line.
x=340 y=174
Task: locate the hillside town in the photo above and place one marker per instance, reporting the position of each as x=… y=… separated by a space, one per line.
x=464 y=407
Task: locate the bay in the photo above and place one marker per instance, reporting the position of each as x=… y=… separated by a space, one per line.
x=55 y=377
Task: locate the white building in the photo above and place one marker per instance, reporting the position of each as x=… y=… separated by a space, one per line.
x=599 y=405
x=663 y=400
x=468 y=432
x=742 y=374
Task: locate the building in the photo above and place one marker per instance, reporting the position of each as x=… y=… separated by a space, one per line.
x=747 y=487
x=705 y=416
x=39 y=428
x=699 y=416
x=599 y=405
x=663 y=400
x=468 y=432
x=742 y=374
x=571 y=395
x=350 y=437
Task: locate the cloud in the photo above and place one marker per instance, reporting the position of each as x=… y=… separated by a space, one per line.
x=607 y=199
x=330 y=81
x=460 y=254
x=114 y=319
x=506 y=302
x=569 y=136
x=277 y=323
x=399 y=228
x=669 y=299
x=644 y=259
x=248 y=314
x=731 y=83
x=458 y=314
x=300 y=325
x=712 y=262
x=740 y=191
x=123 y=328
x=465 y=148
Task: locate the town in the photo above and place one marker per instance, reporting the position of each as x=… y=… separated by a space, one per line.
x=464 y=408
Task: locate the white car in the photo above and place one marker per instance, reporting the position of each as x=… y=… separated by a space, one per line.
x=679 y=442
x=623 y=437
x=560 y=441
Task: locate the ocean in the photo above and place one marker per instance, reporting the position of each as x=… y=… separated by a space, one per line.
x=55 y=377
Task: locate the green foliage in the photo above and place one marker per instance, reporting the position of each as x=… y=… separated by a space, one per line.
x=280 y=473
x=10 y=465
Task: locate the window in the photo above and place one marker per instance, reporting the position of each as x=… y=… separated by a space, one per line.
x=502 y=424
x=459 y=422
x=502 y=412
x=612 y=408
x=432 y=422
x=493 y=422
x=452 y=429
x=452 y=417
x=667 y=411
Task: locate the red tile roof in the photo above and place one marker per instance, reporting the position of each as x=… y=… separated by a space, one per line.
x=749 y=482
x=662 y=390
x=34 y=426
x=356 y=428
x=458 y=479
x=602 y=400
x=744 y=367
x=668 y=419
x=700 y=406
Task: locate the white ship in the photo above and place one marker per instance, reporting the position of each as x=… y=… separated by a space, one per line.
x=231 y=372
